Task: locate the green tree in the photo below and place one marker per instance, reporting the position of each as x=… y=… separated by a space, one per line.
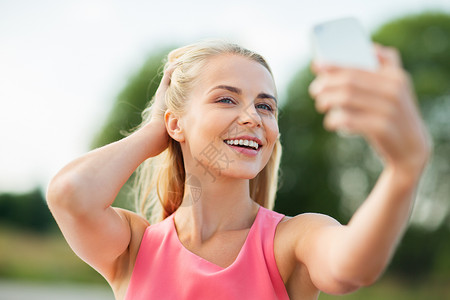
x=306 y=177
x=424 y=44
x=27 y=211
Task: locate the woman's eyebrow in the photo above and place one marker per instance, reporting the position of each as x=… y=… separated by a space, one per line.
x=239 y=92
x=265 y=96
x=228 y=88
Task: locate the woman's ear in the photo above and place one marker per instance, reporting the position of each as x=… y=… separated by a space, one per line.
x=174 y=126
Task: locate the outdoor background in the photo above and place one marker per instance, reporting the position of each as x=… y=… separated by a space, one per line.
x=74 y=74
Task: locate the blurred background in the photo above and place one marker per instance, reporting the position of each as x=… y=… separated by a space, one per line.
x=75 y=74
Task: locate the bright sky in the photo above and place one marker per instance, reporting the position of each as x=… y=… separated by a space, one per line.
x=63 y=62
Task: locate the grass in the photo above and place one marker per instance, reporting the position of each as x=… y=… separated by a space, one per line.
x=36 y=257
x=26 y=256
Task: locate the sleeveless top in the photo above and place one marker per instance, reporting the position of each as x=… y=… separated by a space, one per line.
x=165 y=269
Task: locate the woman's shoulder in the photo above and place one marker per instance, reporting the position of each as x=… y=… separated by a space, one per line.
x=293 y=228
x=308 y=218
x=293 y=233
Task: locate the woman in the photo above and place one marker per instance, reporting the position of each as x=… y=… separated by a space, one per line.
x=212 y=135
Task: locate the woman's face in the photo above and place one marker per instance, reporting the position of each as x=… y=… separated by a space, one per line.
x=233 y=99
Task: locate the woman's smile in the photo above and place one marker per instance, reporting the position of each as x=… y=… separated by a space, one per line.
x=250 y=146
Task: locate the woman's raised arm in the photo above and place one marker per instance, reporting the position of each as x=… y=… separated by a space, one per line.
x=381 y=107
x=81 y=194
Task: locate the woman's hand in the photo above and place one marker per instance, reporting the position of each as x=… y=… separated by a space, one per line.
x=159 y=104
x=158 y=110
x=378 y=105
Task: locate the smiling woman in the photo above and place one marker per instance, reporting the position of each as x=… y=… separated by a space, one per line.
x=208 y=153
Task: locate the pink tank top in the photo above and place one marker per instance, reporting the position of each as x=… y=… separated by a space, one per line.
x=165 y=269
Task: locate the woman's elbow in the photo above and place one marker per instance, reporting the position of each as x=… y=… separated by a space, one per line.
x=61 y=194
x=352 y=281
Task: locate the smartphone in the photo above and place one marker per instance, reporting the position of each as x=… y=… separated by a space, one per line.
x=344 y=42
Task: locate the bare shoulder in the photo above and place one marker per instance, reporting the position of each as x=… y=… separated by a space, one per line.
x=298 y=231
x=292 y=234
x=293 y=230
x=125 y=263
x=304 y=222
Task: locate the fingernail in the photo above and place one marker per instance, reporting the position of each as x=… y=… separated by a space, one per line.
x=320 y=66
x=315 y=87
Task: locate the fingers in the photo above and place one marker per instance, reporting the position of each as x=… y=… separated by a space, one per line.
x=358 y=122
x=347 y=84
x=168 y=74
x=388 y=56
x=356 y=101
x=166 y=79
x=319 y=67
x=352 y=112
x=158 y=102
x=351 y=97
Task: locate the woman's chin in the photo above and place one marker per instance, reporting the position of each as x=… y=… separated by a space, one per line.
x=240 y=174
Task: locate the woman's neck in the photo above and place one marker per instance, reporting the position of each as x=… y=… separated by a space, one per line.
x=210 y=207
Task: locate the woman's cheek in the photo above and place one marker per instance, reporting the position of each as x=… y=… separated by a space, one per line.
x=273 y=129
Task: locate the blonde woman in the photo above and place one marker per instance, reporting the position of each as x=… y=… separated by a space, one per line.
x=209 y=151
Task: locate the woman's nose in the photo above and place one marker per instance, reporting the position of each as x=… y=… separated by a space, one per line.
x=249 y=116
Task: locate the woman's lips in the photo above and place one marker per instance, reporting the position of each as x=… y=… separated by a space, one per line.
x=244 y=150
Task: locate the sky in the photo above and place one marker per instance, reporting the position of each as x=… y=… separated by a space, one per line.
x=62 y=63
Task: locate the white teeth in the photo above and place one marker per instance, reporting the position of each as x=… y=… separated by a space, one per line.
x=252 y=144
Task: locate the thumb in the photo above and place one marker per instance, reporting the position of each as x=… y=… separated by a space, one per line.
x=388 y=56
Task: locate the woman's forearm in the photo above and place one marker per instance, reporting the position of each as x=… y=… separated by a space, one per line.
x=94 y=180
x=368 y=241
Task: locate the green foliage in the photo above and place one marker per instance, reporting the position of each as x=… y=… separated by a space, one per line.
x=27 y=211
x=305 y=183
x=417 y=255
x=424 y=44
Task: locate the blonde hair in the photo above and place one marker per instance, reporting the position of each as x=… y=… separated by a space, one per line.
x=160 y=180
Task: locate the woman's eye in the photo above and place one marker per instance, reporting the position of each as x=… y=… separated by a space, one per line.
x=225 y=100
x=265 y=106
